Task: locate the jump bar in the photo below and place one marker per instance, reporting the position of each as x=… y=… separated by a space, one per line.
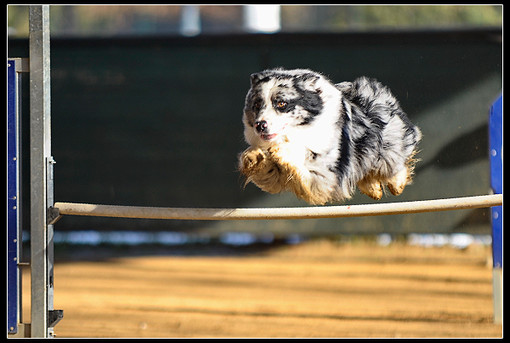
x=76 y=209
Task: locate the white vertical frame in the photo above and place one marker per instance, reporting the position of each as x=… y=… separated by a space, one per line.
x=40 y=155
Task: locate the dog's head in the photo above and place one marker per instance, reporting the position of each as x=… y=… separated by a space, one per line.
x=280 y=100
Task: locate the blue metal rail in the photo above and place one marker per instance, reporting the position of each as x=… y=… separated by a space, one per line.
x=496 y=167
x=13 y=274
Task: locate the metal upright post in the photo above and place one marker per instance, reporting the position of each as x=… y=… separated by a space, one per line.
x=43 y=317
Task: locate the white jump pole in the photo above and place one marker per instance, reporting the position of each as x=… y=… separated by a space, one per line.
x=448 y=204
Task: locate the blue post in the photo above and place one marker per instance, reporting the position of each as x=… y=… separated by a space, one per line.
x=496 y=171
x=13 y=276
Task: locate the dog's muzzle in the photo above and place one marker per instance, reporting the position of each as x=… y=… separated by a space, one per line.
x=261 y=126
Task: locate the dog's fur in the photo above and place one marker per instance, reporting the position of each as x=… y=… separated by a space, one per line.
x=319 y=140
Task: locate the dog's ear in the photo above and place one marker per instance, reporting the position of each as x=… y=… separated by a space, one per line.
x=255 y=78
x=308 y=81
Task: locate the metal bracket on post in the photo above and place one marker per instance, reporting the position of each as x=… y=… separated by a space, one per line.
x=54 y=317
x=53 y=215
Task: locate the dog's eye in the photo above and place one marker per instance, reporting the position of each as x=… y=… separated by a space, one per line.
x=257 y=105
x=281 y=105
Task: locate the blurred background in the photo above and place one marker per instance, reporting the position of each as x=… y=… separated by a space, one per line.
x=147 y=104
x=110 y=20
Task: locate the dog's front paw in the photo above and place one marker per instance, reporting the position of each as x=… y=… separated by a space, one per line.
x=279 y=153
x=284 y=153
x=275 y=150
x=251 y=160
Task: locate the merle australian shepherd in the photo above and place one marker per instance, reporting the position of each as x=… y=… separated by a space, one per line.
x=320 y=140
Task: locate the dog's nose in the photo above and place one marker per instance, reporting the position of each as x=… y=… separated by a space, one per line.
x=261 y=126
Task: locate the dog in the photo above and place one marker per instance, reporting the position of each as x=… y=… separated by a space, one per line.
x=320 y=140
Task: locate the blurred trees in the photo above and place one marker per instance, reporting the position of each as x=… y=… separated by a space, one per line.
x=111 y=20
x=339 y=18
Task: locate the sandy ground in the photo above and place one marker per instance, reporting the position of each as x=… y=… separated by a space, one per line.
x=317 y=289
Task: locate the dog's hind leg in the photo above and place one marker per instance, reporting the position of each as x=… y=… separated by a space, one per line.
x=371 y=186
x=397 y=182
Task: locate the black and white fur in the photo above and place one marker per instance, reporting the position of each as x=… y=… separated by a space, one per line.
x=319 y=139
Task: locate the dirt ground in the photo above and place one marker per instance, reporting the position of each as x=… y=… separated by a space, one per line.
x=317 y=289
